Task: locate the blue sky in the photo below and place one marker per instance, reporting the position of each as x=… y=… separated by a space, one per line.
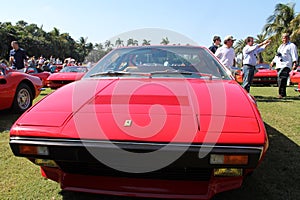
x=104 y=19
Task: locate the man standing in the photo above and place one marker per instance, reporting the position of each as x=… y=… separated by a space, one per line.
x=226 y=53
x=216 y=44
x=17 y=56
x=250 y=52
x=286 y=59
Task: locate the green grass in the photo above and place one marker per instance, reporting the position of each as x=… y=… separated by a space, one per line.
x=276 y=178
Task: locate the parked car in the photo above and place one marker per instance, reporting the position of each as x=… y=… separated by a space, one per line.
x=56 y=68
x=264 y=75
x=17 y=89
x=43 y=75
x=65 y=76
x=146 y=121
x=295 y=78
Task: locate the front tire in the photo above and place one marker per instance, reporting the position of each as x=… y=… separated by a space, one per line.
x=23 y=98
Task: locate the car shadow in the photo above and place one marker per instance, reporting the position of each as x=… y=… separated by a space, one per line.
x=7 y=119
x=276 y=178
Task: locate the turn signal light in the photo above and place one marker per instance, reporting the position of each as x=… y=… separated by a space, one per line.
x=218 y=159
x=34 y=150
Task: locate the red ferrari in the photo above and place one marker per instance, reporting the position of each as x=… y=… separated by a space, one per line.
x=146 y=121
x=17 y=89
x=295 y=78
x=41 y=74
x=66 y=76
x=264 y=75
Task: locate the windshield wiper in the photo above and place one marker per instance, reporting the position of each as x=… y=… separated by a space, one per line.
x=110 y=73
x=175 y=72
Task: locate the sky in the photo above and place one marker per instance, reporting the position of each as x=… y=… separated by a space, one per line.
x=197 y=21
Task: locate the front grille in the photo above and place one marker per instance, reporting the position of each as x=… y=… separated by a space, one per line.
x=265 y=79
x=62 y=82
x=167 y=173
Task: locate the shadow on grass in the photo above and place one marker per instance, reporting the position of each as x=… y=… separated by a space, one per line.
x=277 y=177
x=7 y=119
x=274 y=99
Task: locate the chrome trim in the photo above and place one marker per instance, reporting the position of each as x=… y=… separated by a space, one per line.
x=31 y=140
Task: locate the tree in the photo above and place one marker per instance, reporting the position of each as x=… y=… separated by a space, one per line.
x=107 y=44
x=135 y=43
x=259 y=39
x=279 y=22
x=238 y=48
x=146 y=42
x=99 y=46
x=283 y=20
x=165 y=41
x=119 y=42
x=130 y=42
x=295 y=27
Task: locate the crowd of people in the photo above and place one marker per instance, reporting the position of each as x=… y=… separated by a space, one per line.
x=19 y=60
x=285 y=59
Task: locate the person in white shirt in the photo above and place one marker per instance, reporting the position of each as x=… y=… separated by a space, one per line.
x=226 y=53
x=250 y=52
x=285 y=59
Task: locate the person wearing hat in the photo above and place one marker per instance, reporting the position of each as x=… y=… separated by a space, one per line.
x=216 y=44
x=286 y=59
x=226 y=53
x=250 y=52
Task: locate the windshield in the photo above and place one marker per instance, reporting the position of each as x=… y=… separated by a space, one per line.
x=74 y=69
x=262 y=66
x=159 y=61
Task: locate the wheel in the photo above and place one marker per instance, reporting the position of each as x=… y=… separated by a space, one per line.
x=23 y=98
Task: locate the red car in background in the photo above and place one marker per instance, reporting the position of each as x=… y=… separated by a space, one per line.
x=65 y=76
x=43 y=75
x=56 y=68
x=265 y=75
x=295 y=78
x=146 y=121
x=17 y=89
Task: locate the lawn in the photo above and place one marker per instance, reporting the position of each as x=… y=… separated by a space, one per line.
x=276 y=178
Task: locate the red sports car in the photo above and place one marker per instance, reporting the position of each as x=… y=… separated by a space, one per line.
x=295 y=78
x=41 y=74
x=264 y=75
x=65 y=76
x=147 y=121
x=17 y=89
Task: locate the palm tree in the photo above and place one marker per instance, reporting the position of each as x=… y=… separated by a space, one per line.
x=99 y=46
x=129 y=42
x=295 y=26
x=165 y=41
x=238 y=48
x=107 y=44
x=259 y=39
x=135 y=43
x=146 y=42
x=119 y=42
x=279 y=22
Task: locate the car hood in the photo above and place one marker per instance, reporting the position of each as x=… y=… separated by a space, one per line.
x=66 y=76
x=151 y=109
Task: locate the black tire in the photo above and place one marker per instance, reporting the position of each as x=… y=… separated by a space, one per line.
x=23 y=99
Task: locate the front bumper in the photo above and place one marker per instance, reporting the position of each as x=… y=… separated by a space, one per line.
x=79 y=170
